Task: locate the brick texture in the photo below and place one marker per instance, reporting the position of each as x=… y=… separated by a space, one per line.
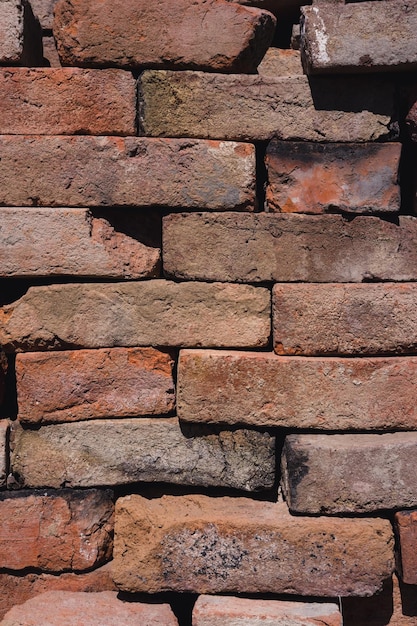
x=86 y=384
x=406 y=528
x=11 y=31
x=210 y=545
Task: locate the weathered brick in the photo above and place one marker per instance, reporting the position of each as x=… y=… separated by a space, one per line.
x=50 y=52
x=74 y=242
x=113 y=171
x=147 y=313
x=3 y=372
x=116 y=452
x=289 y=248
x=4 y=451
x=406 y=528
x=229 y=611
x=345 y=319
x=69 y=608
x=67 y=101
x=279 y=62
x=44 y=11
x=210 y=545
x=360 y=37
x=86 y=384
x=249 y=108
x=349 y=473
x=278 y=7
x=327 y=178
x=20 y=34
x=262 y=389
x=17 y=588
x=55 y=531
x=88 y=34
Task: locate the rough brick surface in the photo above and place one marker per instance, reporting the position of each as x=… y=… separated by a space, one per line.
x=211 y=545
x=155 y=312
x=345 y=319
x=72 y=242
x=67 y=101
x=86 y=384
x=249 y=108
x=16 y=589
x=44 y=11
x=325 y=178
x=4 y=451
x=229 y=611
x=279 y=7
x=261 y=389
x=280 y=248
x=68 y=608
x=349 y=473
x=279 y=62
x=55 y=531
x=89 y=34
x=3 y=372
x=406 y=528
x=113 y=171
x=360 y=36
x=11 y=31
x=115 y=452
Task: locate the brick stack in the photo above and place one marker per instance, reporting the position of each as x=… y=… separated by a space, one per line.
x=208 y=313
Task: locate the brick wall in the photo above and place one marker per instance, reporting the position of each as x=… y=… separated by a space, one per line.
x=208 y=326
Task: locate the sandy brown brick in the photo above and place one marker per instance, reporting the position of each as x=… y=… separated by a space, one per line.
x=228 y=611
x=113 y=171
x=50 y=52
x=88 y=34
x=11 y=31
x=117 y=452
x=253 y=108
x=67 y=101
x=328 y=178
x=44 y=11
x=55 y=531
x=211 y=545
x=70 y=608
x=74 y=242
x=279 y=62
x=147 y=313
x=262 y=389
x=17 y=588
x=289 y=248
x=330 y=474
x=345 y=319
x=359 y=37
x=406 y=528
x=86 y=384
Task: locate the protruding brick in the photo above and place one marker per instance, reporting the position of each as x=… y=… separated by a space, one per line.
x=44 y=11
x=330 y=474
x=229 y=611
x=88 y=34
x=148 y=313
x=345 y=319
x=262 y=389
x=360 y=37
x=406 y=528
x=20 y=34
x=73 y=242
x=289 y=248
x=88 y=609
x=279 y=62
x=86 y=384
x=114 y=171
x=17 y=588
x=67 y=101
x=217 y=545
x=55 y=531
x=278 y=7
x=253 y=108
x=328 y=178
x=116 y=452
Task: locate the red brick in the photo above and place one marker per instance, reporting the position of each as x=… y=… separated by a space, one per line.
x=113 y=171
x=262 y=389
x=88 y=34
x=73 y=242
x=345 y=319
x=229 y=611
x=326 y=178
x=16 y=589
x=406 y=528
x=86 y=384
x=236 y=545
x=55 y=531
x=68 y=608
x=67 y=101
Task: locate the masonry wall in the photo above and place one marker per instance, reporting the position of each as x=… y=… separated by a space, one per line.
x=208 y=321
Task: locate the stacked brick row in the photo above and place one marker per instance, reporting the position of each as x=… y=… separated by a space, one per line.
x=208 y=319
